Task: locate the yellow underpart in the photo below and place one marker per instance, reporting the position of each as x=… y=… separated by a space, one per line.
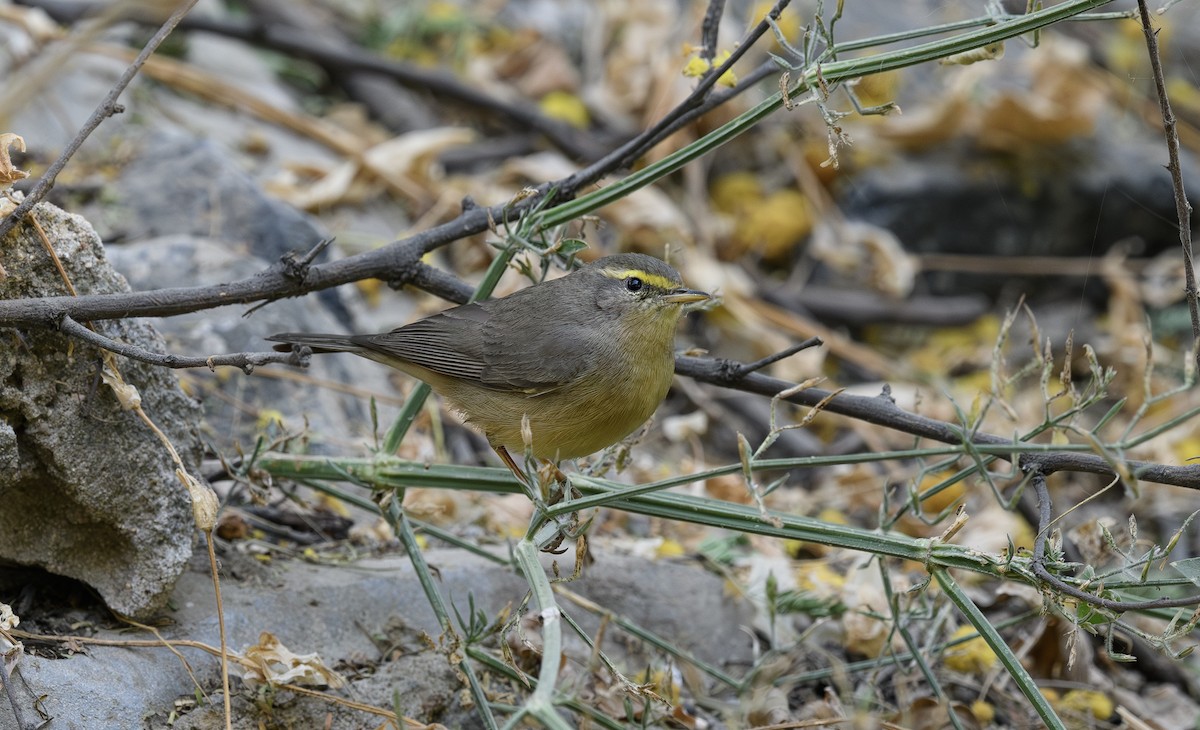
x=661 y=282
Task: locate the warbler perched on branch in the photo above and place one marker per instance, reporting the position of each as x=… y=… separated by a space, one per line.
x=581 y=361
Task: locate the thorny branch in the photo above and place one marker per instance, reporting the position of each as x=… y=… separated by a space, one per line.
x=1045 y=512
x=1183 y=209
x=882 y=410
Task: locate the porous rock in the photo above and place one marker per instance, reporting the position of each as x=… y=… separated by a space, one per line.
x=87 y=490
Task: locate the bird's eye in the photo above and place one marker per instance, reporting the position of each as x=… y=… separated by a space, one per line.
x=633 y=284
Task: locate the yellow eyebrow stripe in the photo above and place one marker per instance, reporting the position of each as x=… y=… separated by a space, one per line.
x=654 y=280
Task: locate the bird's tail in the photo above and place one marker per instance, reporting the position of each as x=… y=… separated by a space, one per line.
x=318 y=343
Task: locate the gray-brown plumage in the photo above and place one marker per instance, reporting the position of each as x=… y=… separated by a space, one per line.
x=587 y=357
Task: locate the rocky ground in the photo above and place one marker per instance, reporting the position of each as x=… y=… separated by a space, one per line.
x=904 y=259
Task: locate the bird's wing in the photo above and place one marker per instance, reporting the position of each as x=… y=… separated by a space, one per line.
x=449 y=343
x=498 y=344
x=534 y=354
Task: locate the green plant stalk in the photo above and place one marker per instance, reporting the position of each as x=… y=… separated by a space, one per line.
x=913 y=651
x=997 y=644
x=682 y=507
x=404 y=420
x=403 y=530
x=541 y=703
x=829 y=73
x=1142 y=438
x=387 y=472
x=905 y=35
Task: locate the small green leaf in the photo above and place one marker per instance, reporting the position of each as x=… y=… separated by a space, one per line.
x=569 y=246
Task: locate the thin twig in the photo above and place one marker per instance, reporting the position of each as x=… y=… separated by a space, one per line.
x=107 y=108
x=7 y=689
x=247 y=361
x=216 y=581
x=1183 y=209
x=1058 y=585
x=882 y=410
x=747 y=368
x=710 y=28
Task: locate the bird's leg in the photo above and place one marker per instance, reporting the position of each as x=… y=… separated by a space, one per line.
x=512 y=465
x=549 y=471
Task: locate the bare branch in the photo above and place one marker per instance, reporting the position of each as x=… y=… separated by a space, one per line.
x=247 y=361
x=1183 y=209
x=881 y=410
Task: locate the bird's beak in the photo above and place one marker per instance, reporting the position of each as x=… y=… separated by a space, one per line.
x=686 y=296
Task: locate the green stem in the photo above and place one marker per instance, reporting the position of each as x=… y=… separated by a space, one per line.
x=541 y=703
x=402 y=528
x=998 y=645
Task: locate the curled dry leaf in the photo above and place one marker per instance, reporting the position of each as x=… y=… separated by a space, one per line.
x=1061 y=100
x=8 y=619
x=35 y=22
x=273 y=663
x=127 y=395
x=315 y=186
x=10 y=650
x=410 y=159
x=8 y=173
x=406 y=165
x=204 y=501
x=681 y=429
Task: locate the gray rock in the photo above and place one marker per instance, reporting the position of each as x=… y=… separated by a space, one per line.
x=89 y=491
x=184 y=184
x=372 y=611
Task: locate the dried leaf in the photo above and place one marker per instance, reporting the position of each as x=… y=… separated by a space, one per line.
x=8 y=173
x=273 y=663
x=127 y=395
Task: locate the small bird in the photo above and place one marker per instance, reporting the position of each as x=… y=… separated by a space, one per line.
x=586 y=358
